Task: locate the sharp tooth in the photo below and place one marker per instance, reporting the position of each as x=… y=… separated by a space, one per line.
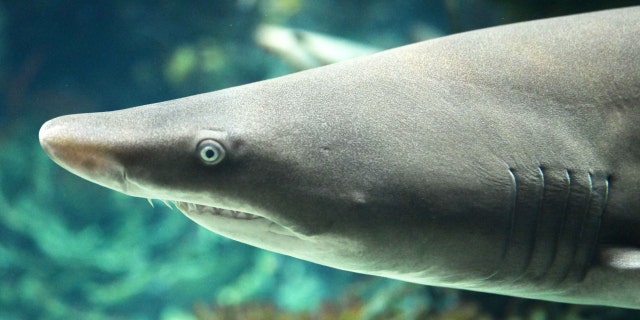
x=150 y=202
x=167 y=204
x=202 y=209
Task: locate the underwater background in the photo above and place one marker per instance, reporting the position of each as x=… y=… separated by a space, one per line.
x=70 y=249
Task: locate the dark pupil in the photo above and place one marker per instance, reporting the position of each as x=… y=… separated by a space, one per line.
x=210 y=153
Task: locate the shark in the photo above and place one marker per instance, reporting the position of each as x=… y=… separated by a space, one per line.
x=503 y=160
x=303 y=49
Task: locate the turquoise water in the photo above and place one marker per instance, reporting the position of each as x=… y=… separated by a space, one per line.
x=73 y=250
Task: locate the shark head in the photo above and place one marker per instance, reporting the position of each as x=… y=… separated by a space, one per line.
x=250 y=174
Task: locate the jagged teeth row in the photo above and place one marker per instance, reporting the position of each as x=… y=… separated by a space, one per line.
x=200 y=209
x=166 y=203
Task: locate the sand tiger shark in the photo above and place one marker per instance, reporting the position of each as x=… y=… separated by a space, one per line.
x=503 y=160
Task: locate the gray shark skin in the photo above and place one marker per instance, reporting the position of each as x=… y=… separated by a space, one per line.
x=503 y=160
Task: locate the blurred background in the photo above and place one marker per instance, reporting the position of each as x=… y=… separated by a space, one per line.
x=70 y=249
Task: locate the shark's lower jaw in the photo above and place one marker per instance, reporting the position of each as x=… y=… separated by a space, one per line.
x=198 y=209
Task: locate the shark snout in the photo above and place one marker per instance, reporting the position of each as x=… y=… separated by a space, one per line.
x=50 y=137
x=73 y=145
x=63 y=143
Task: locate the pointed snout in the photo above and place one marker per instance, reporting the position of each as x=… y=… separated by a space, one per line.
x=78 y=146
x=66 y=143
x=57 y=139
x=52 y=138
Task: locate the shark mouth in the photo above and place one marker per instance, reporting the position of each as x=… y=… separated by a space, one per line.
x=198 y=209
x=196 y=212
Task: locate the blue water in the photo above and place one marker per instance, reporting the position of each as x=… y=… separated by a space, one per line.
x=73 y=250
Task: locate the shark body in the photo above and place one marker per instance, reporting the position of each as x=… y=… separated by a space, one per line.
x=503 y=160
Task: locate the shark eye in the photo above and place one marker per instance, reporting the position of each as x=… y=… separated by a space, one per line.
x=210 y=151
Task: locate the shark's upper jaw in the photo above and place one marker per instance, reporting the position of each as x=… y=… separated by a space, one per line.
x=246 y=227
x=191 y=209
